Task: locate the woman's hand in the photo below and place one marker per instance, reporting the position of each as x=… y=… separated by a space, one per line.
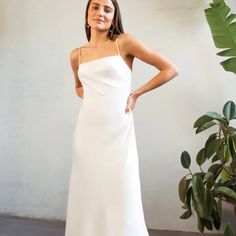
x=131 y=102
x=80 y=92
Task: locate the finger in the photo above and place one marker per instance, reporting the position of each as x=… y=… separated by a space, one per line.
x=127 y=109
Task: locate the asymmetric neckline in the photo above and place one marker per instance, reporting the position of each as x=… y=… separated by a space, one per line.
x=105 y=57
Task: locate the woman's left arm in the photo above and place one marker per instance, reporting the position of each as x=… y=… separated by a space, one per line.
x=167 y=70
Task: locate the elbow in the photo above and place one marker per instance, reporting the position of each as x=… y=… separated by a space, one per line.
x=173 y=71
x=170 y=73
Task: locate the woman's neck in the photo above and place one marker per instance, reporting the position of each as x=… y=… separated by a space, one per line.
x=98 y=38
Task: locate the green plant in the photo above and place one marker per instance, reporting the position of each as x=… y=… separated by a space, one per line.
x=223 y=29
x=203 y=192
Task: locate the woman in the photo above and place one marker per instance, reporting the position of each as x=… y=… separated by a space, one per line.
x=104 y=192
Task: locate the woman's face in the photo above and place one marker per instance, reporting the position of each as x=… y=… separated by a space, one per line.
x=100 y=14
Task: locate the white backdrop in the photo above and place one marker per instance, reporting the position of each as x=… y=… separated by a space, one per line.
x=39 y=106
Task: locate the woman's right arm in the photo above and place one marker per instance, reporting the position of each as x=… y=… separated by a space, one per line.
x=74 y=64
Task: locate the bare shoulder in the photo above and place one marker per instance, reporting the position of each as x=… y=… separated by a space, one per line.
x=130 y=44
x=74 y=53
x=126 y=39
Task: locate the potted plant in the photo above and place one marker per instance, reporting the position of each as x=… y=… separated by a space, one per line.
x=203 y=192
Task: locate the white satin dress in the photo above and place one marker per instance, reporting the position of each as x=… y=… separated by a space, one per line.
x=104 y=197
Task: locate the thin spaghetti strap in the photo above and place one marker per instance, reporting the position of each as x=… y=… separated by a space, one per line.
x=117 y=47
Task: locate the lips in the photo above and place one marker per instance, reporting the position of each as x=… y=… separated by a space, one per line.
x=98 y=20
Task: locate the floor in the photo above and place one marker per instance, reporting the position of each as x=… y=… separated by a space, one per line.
x=15 y=226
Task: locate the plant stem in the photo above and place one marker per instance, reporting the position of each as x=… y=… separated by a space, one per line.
x=190 y=172
x=201 y=169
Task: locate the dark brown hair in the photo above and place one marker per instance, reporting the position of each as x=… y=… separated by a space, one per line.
x=116 y=27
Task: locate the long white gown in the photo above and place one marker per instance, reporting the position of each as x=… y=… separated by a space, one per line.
x=104 y=196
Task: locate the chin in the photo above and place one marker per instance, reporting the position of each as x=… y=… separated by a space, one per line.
x=100 y=28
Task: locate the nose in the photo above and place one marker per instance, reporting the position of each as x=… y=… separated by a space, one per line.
x=100 y=12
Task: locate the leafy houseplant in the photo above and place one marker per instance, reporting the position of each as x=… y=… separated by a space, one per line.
x=204 y=191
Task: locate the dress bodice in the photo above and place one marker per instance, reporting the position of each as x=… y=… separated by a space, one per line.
x=105 y=76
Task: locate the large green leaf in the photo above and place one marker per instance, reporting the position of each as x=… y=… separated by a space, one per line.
x=200 y=224
x=229 y=110
x=223 y=29
x=219 y=206
x=205 y=126
x=208 y=206
x=216 y=219
x=199 y=193
x=201 y=157
x=183 y=187
x=214 y=115
x=215 y=158
x=211 y=138
x=227 y=192
x=229 y=65
x=213 y=147
x=227 y=53
x=215 y=169
x=186 y=215
x=208 y=224
x=185 y=159
x=202 y=120
x=188 y=199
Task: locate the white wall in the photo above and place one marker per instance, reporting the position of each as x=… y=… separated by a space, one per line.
x=39 y=106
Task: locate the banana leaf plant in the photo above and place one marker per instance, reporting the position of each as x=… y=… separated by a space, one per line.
x=223 y=28
x=202 y=192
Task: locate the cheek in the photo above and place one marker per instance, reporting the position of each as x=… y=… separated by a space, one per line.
x=90 y=16
x=90 y=13
x=110 y=17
